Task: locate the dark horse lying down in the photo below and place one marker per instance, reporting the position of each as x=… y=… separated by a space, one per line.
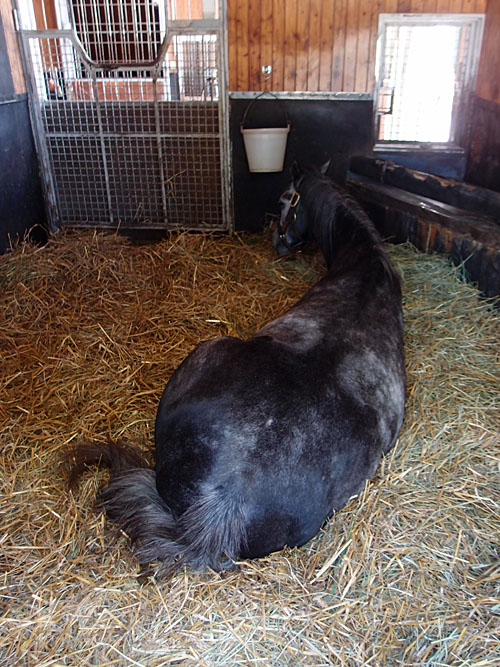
x=258 y=441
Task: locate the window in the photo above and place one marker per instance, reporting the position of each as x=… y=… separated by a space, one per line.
x=426 y=66
x=119 y=31
x=119 y=50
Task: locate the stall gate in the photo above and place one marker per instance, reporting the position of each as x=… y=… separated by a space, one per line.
x=129 y=107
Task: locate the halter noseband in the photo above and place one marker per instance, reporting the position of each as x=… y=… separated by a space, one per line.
x=291 y=216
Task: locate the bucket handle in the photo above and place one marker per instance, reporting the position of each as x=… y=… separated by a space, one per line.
x=265 y=92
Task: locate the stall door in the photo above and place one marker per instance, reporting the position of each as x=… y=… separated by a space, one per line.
x=129 y=108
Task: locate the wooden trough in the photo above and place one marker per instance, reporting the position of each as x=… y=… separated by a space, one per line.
x=435 y=214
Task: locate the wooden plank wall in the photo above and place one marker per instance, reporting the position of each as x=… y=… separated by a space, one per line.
x=315 y=45
x=483 y=165
x=488 y=81
x=312 y=45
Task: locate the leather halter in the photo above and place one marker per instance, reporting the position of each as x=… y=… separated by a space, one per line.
x=291 y=217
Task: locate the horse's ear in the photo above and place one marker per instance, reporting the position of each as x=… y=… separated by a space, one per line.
x=295 y=171
x=325 y=167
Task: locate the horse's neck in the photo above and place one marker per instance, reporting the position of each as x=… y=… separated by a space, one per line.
x=345 y=239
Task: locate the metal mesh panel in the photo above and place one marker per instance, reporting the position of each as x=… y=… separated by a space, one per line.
x=80 y=183
x=119 y=31
x=134 y=180
x=192 y=194
x=134 y=146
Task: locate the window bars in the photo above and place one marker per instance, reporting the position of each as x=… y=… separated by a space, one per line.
x=426 y=67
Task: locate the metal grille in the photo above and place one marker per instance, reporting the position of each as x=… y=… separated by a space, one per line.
x=119 y=31
x=426 y=63
x=131 y=145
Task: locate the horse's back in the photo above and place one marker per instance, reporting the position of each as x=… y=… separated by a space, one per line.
x=283 y=430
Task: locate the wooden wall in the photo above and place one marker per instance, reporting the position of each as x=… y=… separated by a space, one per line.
x=483 y=163
x=488 y=81
x=315 y=45
x=312 y=45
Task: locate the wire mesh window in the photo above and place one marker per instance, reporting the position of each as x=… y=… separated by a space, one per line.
x=131 y=31
x=188 y=73
x=128 y=35
x=119 y=31
x=426 y=67
x=195 y=60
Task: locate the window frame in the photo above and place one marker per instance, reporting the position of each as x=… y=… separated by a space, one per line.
x=461 y=113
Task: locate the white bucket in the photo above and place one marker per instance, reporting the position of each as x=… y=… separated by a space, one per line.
x=265 y=147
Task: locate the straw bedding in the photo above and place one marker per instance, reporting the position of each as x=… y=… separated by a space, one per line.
x=408 y=573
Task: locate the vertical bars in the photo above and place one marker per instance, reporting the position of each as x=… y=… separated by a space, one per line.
x=119 y=31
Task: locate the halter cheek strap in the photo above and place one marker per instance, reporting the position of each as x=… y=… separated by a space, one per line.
x=291 y=216
x=294 y=200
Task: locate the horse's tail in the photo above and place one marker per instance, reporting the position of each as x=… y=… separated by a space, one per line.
x=209 y=534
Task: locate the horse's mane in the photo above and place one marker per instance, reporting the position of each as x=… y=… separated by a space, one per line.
x=333 y=207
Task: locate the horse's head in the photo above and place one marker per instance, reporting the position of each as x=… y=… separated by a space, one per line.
x=292 y=231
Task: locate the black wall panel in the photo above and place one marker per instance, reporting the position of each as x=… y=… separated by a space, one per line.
x=21 y=201
x=321 y=130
